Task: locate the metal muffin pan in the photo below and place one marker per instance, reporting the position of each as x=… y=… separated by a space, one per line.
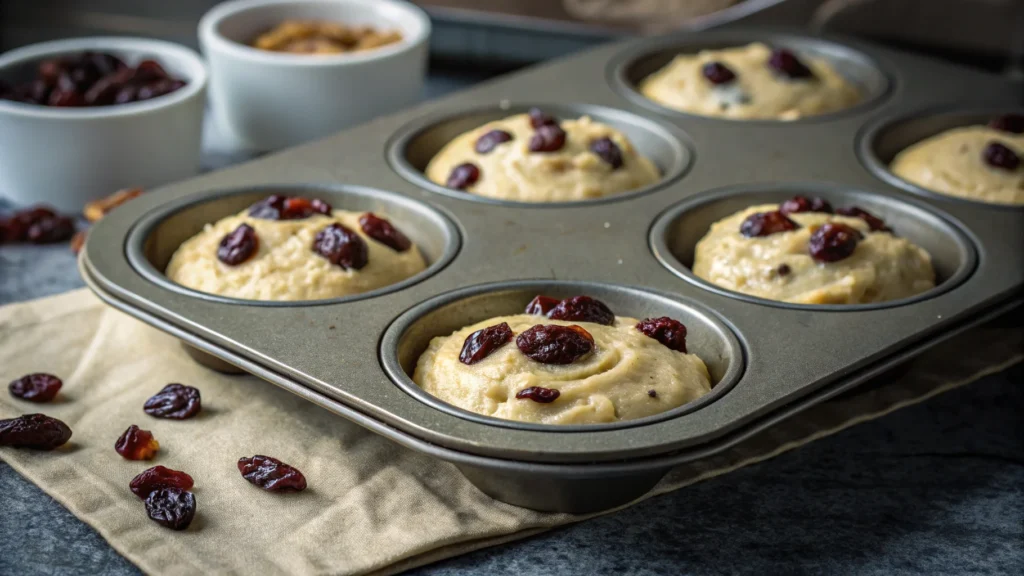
x=352 y=355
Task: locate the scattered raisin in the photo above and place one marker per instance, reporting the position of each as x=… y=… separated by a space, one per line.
x=538 y=118
x=833 y=242
x=765 y=223
x=137 y=444
x=786 y=63
x=874 y=222
x=463 y=176
x=541 y=305
x=549 y=138
x=582 y=309
x=341 y=247
x=717 y=73
x=798 y=204
x=39 y=225
x=784 y=270
x=159 y=477
x=608 y=151
x=175 y=401
x=35 y=387
x=1000 y=156
x=1012 y=123
x=652 y=393
x=382 y=231
x=483 y=342
x=281 y=207
x=490 y=140
x=37 y=431
x=171 y=508
x=669 y=332
x=538 y=394
x=238 y=246
x=271 y=474
x=554 y=344
x=51 y=230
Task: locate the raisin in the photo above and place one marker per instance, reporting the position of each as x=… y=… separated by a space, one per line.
x=549 y=138
x=787 y=63
x=175 y=401
x=463 y=176
x=669 y=332
x=874 y=222
x=652 y=393
x=341 y=247
x=717 y=73
x=172 y=508
x=1012 y=123
x=238 y=246
x=1000 y=156
x=608 y=151
x=784 y=270
x=382 y=231
x=490 y=140
x=150 y=70
x=582 y=309
x=483 y=342
x=280 y=207
x=538 y=118
x=35 y=387
x=765 y=223
x=554 y=344
x=136 y=444
x=51 y=230
x=538 y=394
x=159 y=477
x=798 y=204
x=271 y=474
x=37 y=431
x=833 y=242
x=541 y=305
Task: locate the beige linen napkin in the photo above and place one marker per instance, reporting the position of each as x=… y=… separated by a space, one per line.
x=371 y=505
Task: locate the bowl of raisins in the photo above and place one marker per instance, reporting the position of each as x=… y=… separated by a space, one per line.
x=86 y=116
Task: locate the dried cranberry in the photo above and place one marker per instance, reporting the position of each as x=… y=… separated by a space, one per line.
x=798 y=204
x=1012 y=123
x=786 y=63
x=765 y=223
x=1000 y=156
x=833 y=242
x=127 y=94
x=874 y=222
x=159 y=477
x=538 y=394
x=150 y=70
x=50 y=230
x=482 y=343
x=271 y=474
x=582 y=309
x=51 y=69
x=175 y=401
x=66 y=99
x=608 y=151
x=554 y=344
x=463 y=176
x=238 y=246
x=105 y=63
x=669 y=332
x=382 y=231
x=37 y=431
x=158 y=88
x=280 y=207
x=103 y=92
x=548 y=138
x=136 y=444
x=341 y=246
x=171 y=508
x=269 y=208
x=541 y=305
x=717 y=73
x=538 y=118
x=490 y=140
x=38 y=387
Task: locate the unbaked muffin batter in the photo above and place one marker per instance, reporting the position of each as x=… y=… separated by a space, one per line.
x=742 y=83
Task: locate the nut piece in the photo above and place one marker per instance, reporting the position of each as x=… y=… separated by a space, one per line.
x=99 y=208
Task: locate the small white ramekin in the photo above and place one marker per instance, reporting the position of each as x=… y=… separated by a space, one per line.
x=269 y=100
x=66 y=157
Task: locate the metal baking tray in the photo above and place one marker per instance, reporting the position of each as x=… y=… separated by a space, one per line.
x=769 y=360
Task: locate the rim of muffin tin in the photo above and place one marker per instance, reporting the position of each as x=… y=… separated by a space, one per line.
x=874 y=135
x=876 y=79
x=673 y=141
x=135 y=244
x=727 y=336
x=839 y=195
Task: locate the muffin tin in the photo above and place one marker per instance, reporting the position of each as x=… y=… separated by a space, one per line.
x=487 y=257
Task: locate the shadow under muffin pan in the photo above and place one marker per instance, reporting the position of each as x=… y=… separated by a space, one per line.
x=628 y=70
x=411 y=150
x=882 y=140
x=333 y=353
x=675 y=234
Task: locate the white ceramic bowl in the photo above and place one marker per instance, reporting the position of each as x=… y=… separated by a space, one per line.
x=268 y=100
x=67 y=156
